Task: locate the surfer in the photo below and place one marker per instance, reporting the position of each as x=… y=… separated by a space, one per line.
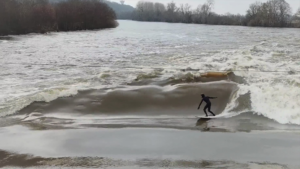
x=208 y=104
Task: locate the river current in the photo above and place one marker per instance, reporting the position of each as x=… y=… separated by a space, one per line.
x=142 y=69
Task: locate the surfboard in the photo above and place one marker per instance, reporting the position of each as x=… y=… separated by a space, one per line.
x=212 y=117
x=208 y=117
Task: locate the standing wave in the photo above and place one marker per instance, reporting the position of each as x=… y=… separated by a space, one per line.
x=176 y=100
x=270 y=75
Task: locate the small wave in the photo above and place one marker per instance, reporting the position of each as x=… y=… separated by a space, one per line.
x=153 y=74
x=191 y=78
x=49 y=95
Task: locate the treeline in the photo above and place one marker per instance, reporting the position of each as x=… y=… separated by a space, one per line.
x=273 y=13
x=40 y=16
x=296 y=19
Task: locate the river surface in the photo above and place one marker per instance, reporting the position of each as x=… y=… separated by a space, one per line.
x=150 y=75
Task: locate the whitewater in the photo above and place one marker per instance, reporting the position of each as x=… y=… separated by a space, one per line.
x=152 y=69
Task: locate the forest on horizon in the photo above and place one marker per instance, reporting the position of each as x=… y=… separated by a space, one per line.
x=273 y=13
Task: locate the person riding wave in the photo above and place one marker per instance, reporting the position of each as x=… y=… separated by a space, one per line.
x=208 y=104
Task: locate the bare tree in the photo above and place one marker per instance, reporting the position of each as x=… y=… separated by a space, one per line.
x=197 y=14
x=185 y=13
x=252 y=16
x=273 y=13
x=171 y=15
x=206 y=10
x=254 y=9
x=159 y=10
x=146 y=11
x=284 y=13
x=171 y=7
x=296 y=19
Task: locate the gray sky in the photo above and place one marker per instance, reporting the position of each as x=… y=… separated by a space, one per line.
x=221 y=6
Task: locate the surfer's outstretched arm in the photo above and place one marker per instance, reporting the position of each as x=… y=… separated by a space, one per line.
x=212 y=97
x=200 y=104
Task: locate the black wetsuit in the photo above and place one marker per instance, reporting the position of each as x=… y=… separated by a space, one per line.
x=208 y=104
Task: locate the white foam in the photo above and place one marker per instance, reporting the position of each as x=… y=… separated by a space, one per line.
x=275 y=94
x=277 y=101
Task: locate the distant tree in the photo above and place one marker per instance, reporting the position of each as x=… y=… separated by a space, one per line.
x=185 y=13
x=84 y=14
x=284 y=13
x=43 y=18
x=273 y=13
x=252 y=16
x=5 y=14
x=203 y=12
x=171 y=13
x=140 y=11
x=171 y=7
x=197 y=15
x=206 y=10
x=296 y=19
x=159 y=11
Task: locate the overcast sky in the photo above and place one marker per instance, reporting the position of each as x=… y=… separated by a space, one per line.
x=221 y=6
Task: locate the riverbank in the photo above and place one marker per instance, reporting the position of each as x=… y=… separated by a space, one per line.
x=24 y=17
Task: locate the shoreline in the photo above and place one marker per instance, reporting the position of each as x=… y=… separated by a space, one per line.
x=133 y=144
x=117 y=24
x=25 y=160
x=9 y=36
x=289 y=27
